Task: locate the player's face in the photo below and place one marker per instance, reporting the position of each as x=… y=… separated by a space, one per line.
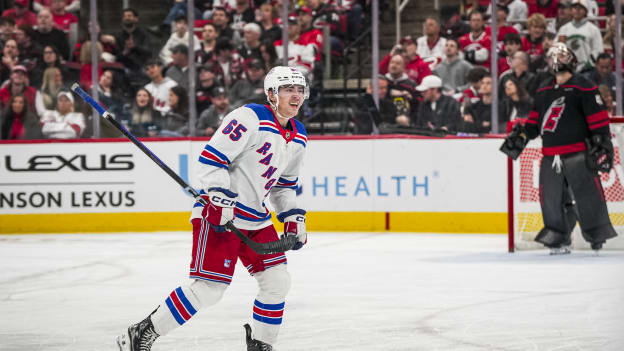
x=290 y=100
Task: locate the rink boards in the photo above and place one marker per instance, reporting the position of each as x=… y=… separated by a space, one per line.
x=386 y=183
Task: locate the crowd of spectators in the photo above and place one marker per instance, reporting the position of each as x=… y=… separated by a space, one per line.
x=441 y=81
x=143 y=71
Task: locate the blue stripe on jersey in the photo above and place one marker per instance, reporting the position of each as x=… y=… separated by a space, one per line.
x=299 y=142
x=174 y=311
x=212 y=163
x=269 y=129
x=267 y=320
x=251 y=219
x=185 y=301
x=263 y=113
x=217 y=153
x=286 y=180
x=270 y=307
x=251 y=210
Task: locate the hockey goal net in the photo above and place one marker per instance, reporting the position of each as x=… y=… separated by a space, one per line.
x=525 y=218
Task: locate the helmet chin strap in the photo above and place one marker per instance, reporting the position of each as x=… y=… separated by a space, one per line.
x=275 y=107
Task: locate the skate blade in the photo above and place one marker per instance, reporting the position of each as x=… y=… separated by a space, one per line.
x=560 y=251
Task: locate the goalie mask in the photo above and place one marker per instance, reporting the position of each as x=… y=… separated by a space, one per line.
x=281 y=76
x=561 y=58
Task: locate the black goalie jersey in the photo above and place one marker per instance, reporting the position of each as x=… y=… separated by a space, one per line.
x=566 y=115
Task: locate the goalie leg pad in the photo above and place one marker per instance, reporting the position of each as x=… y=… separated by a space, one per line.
x=590 y=201
x=553 y=196
x=274 y=284
x=552 y=238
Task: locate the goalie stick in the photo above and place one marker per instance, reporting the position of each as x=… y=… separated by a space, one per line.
x=284 y=244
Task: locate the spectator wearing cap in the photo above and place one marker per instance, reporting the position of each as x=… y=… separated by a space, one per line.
x=242 y=15
x=250 y=89
x=512 y=44
x=159 y=85
x=20 y=13
x=18 y=85
x=61 y=17
x=301 y=53
x=268 y=16
x=581 y=36
x=221 y=19
x=178 y=70
x=203 y=93
x=207 y=44
x=228 y=65
x=547 y=8
x=179 y=36
x=251 y=42
x=415 y=68
x=17 y=121
x=437 y=111
x=309 y=34
x=402 y=91
x=532 y=43
x=431 y=45
x=210 y=120
x=564 y=13
x=476 y=44
x=133 y=45
x=453 y=69
x=47 y=34
x=64 y=122
x=10 y=58
x=504 y=27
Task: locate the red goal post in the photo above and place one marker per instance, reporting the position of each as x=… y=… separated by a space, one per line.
x=524 y=211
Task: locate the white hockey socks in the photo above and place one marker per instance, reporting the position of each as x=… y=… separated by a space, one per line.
x=184 y=302
x=268 y=307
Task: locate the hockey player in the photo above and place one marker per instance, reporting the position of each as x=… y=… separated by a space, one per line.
x=256 y=152
x=570 y=116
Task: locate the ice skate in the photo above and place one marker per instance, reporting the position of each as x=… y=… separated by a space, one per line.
x=562 y=250
x=596 y=247
x=255 y=345
x=139 y=337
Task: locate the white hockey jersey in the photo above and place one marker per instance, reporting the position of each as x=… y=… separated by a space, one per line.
x=252 y=155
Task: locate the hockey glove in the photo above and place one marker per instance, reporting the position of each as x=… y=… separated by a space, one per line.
x=294 y=224
x=600 y=153
x=515 y=141
x=220 y=208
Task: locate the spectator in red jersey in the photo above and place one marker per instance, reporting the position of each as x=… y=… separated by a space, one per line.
x=207 y=43
x=431 y=46
x=308 y=33
x=20 y=13
x=547 y=8
x=532 y=43
x=325 y=14
x=18 y=85
x=476 y=44
x=72 y=5
x=268 y=15
x=301 y=54
x=86 y=64
x=415 y=68
x=46 y=34
x=61 y=17
x=504 y=28
x=17 y=121
x=513 y=44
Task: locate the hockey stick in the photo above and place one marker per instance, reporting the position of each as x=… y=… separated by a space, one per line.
x=284 y=244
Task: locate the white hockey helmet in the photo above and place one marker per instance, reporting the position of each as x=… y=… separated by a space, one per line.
x=283 y=75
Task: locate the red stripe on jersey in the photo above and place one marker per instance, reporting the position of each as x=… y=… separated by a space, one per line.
x=563 y=149
x=599 y=125
x=533 y=115
x=544 y=88
x=580 y=88
x=207 y=154
x=267 y=313
x=596 y=117
x=179 y=306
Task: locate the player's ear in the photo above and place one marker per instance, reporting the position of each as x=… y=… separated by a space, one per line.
x=271 y=96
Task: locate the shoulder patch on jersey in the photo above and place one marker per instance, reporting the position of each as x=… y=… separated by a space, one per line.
x=263 y=112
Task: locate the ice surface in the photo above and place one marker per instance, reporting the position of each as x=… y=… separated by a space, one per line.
x=349 y=292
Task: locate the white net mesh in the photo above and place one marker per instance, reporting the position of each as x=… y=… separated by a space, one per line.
x=527 y=212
